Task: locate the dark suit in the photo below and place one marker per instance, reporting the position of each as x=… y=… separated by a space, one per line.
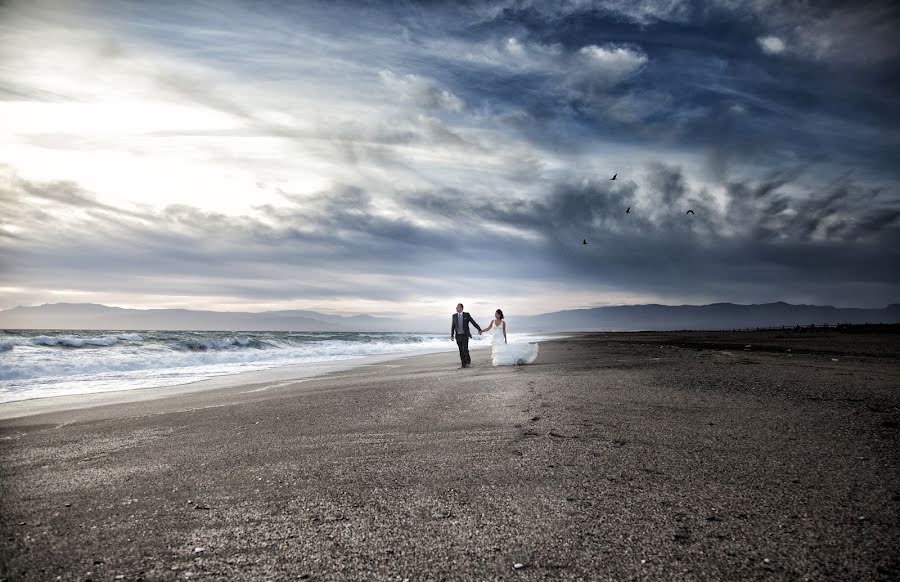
x=462 y=339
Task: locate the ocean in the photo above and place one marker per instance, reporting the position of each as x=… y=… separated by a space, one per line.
x=40 y=364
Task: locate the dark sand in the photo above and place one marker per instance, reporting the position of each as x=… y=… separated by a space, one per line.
x=615 y=456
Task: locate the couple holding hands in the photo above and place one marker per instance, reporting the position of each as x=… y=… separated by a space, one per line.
x=502 y=352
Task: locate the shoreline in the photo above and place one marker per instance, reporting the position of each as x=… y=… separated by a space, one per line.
x=293 y=373
x=260 y=379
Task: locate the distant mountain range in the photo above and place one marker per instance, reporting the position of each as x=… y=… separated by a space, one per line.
x=93 y=316
x=613 y=318
x=713 y=316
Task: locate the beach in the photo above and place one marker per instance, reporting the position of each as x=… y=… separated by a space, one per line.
x=659 y=456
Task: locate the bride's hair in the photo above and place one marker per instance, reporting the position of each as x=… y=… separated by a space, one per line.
x=500 y=312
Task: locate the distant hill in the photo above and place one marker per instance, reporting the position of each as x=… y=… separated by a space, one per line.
x=713 y=316
x=613 y=318
x=93 y=316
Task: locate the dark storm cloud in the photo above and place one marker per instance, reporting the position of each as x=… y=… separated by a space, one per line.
x=338 y=243
x=751 y=243
x=316 y=248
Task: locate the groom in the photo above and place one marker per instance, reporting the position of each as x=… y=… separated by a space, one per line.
x=459 y=328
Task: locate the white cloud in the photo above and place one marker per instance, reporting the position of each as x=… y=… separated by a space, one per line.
x=421 y=91
x=584 y=74
x=611 y=64
x=510 y=53
x=771 y=44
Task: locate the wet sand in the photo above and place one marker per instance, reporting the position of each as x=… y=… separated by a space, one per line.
x=660 y=456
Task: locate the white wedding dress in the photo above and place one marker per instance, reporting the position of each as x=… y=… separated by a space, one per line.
x=503 y=354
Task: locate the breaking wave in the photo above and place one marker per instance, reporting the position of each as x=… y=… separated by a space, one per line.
x=56 y=362
x=78 y=342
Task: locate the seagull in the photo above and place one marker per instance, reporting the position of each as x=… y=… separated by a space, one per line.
x=584 y=242
x=628 y=211
x=689 y=212
x=614 y=176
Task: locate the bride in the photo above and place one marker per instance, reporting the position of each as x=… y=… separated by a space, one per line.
x=503 y=353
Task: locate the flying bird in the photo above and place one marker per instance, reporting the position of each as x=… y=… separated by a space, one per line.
x=614 y=176
x=689 y=212
x=628 y=211
x=584 y=242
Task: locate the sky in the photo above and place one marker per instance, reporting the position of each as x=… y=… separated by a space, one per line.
x=395 y=158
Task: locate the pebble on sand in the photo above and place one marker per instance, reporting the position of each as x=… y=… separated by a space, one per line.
x=518 y=565
x=199 y=550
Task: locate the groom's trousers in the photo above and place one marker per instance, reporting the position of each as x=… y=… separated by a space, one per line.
x=462 y=340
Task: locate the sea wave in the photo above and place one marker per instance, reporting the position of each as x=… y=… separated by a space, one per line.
x=57 y=362
x=90 y=357
x=80 y=342
x=202 y=345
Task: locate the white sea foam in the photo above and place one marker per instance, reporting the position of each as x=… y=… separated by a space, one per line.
x=76 y=363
